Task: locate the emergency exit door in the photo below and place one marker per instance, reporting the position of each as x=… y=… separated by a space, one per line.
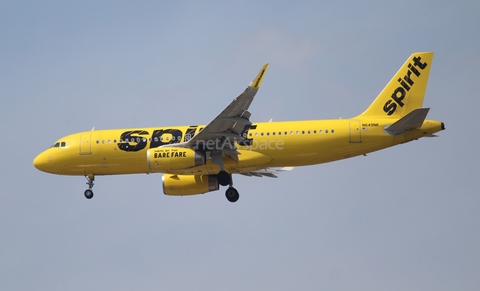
x=355 y=132
x=85 y=143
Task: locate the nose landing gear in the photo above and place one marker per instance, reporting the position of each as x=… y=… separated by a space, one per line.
x=89 y=193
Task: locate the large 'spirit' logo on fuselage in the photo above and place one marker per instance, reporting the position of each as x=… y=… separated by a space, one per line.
x=136 y=140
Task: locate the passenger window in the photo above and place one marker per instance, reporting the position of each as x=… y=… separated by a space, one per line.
x=326 y=131
x=332 y=131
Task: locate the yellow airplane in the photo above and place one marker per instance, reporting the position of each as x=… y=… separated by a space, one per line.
x=197 y=159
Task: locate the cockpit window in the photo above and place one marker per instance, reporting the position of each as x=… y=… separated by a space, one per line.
x=59 y=144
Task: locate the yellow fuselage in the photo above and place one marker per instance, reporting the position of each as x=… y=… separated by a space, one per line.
x=273 y=144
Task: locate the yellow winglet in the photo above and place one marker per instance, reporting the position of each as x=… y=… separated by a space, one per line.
x=258 y=79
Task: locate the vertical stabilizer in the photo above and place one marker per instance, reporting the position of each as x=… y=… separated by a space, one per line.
x=405 y=91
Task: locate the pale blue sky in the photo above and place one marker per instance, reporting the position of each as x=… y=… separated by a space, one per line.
x=405 y=218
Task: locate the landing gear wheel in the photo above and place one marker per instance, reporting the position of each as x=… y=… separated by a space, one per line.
x=88 y=194
x=224 y=178
x=232 y=194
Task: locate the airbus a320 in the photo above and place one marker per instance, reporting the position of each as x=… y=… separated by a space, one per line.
x=198 y=159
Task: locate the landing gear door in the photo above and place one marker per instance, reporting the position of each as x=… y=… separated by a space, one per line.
x=85 y=143
x=355 y=132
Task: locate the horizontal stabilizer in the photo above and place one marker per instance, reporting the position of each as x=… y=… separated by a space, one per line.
x=412 y=120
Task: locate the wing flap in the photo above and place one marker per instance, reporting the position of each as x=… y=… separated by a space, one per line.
x=268 y=172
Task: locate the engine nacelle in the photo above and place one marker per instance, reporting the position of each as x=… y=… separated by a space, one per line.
x=178 y=185
x=166 y=159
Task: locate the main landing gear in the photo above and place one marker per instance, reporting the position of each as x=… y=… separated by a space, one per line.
x=225 y=179
x=89 y=193
x=232 y=194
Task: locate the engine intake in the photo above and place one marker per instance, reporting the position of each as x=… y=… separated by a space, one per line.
x=178 y=185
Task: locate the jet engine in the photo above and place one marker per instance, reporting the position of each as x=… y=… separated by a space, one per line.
x=179 y=185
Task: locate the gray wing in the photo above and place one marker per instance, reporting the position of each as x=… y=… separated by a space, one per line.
x=219 y=136
x=268 y=172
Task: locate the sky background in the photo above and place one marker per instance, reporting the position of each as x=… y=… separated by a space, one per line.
x=405 y=218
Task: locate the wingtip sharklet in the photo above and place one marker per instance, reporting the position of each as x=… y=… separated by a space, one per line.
x=258 y=79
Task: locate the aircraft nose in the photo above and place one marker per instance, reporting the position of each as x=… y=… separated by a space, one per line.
x=40 y=162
